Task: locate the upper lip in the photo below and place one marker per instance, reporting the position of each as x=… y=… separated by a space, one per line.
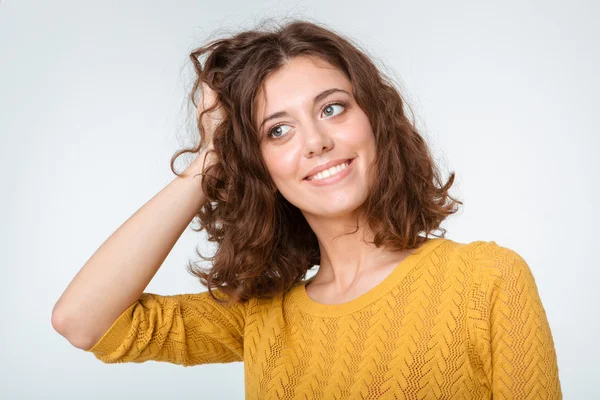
x=326 y=166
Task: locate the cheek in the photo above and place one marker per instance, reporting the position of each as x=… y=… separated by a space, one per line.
x=369 y=137
x=281 y=166
x=361 y=137
x=358 y=130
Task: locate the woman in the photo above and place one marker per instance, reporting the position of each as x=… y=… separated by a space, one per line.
x=307 y=158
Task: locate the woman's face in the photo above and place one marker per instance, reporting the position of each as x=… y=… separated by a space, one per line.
x=316 y=123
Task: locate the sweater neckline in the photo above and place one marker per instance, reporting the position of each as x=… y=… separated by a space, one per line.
x=300 y=298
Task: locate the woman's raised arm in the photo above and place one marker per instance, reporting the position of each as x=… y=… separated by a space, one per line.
x=119 y=271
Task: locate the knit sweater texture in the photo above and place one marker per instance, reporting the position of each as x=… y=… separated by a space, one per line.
x=451 y=321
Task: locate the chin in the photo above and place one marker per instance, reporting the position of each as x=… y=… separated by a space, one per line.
x=329 y=204
x=332 y=208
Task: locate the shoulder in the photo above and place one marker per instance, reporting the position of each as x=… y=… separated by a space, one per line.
x=488 y=253
x=483 y=259
x=495 y=265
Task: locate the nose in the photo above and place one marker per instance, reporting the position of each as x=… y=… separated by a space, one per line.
x=317 y=141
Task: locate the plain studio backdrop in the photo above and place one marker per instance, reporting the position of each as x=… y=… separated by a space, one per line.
x=93 y=104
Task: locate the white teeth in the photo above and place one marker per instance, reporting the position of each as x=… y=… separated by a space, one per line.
x=329 y=172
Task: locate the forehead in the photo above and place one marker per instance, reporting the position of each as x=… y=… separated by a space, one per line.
x=297 y=83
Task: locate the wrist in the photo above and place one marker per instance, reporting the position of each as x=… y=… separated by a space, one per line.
x=196 y=169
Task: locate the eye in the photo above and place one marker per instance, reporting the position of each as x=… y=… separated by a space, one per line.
x=330 y=107
x=276 y=131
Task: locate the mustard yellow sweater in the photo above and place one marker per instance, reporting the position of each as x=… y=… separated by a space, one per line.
x=452 y=321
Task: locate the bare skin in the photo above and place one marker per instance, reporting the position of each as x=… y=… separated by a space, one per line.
x=119 y=271
x=311 y=135
x=327 y=293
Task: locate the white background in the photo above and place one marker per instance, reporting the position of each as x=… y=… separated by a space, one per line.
x=93 y=104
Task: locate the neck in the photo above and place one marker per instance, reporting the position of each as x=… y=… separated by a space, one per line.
x=347 y=255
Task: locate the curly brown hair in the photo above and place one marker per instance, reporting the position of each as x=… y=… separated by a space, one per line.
x=265 y=246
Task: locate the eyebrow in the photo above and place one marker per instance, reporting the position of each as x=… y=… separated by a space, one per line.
x=317 y=98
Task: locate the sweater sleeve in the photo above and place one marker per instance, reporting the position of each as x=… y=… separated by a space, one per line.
x=184 y=329
x=514 y=338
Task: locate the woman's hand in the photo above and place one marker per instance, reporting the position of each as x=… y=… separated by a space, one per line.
x=210 y=121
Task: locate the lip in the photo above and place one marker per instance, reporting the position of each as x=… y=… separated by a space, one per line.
x=326 y=166
x=335 y=178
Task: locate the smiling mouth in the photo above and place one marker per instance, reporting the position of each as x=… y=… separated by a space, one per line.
x=333 y=171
